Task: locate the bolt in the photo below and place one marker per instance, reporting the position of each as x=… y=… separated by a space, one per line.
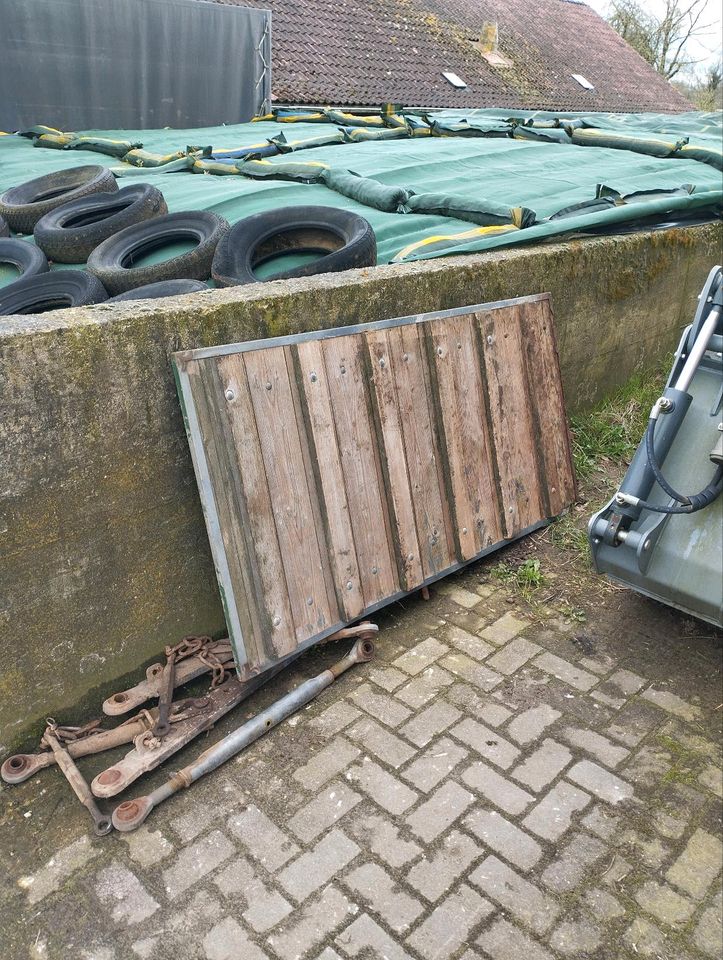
x=277 y=621
x=313 y=377
x=229 y=394
x=410 y=557
x=343 y=369
x=268 y=385
x=375 y=570
x=310 y=601
x=382 y=362
x=464 y=529
x=664 y=403
x=490 y=340
x=459 y=346
x=349 y=585
x=439 y=351
x=620 y=498
x=405 y=357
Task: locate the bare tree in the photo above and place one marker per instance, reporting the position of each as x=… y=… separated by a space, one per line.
x=662 y=41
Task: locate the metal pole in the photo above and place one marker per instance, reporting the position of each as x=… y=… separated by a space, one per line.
x=697 y=350
x=131 y=814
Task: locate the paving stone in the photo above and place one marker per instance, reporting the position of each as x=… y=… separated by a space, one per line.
x=195 y=862
x=601 y=822
x=468 y=643
x=147 y=847
x=644 y=938
x=553 y=814
x=671 y=703
x=495 y=788
x=434 y=764
x=648 y=850
x=698 y=865
x=464 y=598
x=317 y=866
x=604 y=905
x=565 y=671
x=420 y=656
x=204 y=815
x=504 y=838
x=605 y=785
x=526 y=902
x=567 y=872
x=648 y=766
x=328 y=954
x=228 y=941
x=384 y=896
x=381 y=742
x=532 y=723
x=487 y=743
x=61 y=866
x=616 y=872
x=513 y=655
x=634 y=723
x=334 y=801
x=494 y=714
x=669 y=826
x=326 y=763
x=388 y=678
x=262 y=838
x=504 y=941
x=598 y=746
x=434 y=875
x=364 y=938
x=440 y=811
x=607 y=695
x=382 y=787
x=504 y=629
x=311 y=925
x=712 y=778
x=262 y=906
x=542 y=766
x=708 y=934
x=576 y=938
x=122 y=891
x=444 y=931
x=427 y=724
x=664 y=903
x=380 y=705
x=384 y=839
x=424 y=687
x=601 y=665
x=471 y=671
x=335 y=718
x=628 y=682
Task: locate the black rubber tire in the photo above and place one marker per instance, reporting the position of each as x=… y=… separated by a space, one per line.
x=72 y=231
x=51 y=291
x=112 y=261
x=24 y=205
x=23 y=255
x=4 y=228
x=164 y=288
x=345 y=239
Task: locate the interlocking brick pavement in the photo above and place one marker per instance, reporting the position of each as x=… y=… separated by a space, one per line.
x=489 y=787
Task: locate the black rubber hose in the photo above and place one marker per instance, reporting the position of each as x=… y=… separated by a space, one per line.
x=690 y=504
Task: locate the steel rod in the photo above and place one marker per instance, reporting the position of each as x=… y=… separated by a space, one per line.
x=697 y=350
x=129 y=815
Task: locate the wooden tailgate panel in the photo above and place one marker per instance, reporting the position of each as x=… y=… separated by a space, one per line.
x=342 y=469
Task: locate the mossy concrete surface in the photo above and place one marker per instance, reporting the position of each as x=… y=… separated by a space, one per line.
x=103 y=551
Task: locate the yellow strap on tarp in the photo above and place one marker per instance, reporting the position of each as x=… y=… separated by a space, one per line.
x=451 y=239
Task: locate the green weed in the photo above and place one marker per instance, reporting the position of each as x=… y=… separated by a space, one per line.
x=526 y=576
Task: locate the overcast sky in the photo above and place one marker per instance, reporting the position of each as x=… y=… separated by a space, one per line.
x=706 y=47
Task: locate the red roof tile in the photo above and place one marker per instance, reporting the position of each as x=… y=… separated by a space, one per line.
x=366 y=52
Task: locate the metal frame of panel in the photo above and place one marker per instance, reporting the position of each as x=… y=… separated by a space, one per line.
x=449 y=427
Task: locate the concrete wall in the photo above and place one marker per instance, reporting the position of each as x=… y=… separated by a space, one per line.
x=103 y=550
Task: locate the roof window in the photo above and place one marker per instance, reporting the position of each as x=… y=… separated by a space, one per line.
x=583 y=81
x=454 y=80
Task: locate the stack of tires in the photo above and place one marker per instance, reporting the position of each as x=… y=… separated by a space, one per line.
x=80 y=216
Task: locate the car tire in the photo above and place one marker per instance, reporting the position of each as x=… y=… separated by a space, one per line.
x=164 y=288
x=113 y=261
x=51 y=291
x=72 y=231
x=24 y=256
x=24 y=205
x=4 y=228
x=344 y=239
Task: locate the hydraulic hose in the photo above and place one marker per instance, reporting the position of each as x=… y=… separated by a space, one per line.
x=689 y=504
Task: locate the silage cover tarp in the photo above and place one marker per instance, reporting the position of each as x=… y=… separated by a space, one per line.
x=543 y=176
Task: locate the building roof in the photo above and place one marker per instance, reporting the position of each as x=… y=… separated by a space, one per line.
x=367 y=52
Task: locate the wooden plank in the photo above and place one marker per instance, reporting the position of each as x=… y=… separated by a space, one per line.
x=256 y=511
x=511 y=399
x=421 y=450
x=462 y=414
x=548 y=412
x=301 y=552
x=348 y=389
x=393 y=459
x=329 y=476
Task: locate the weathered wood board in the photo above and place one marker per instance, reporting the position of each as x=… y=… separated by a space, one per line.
x=340 y=469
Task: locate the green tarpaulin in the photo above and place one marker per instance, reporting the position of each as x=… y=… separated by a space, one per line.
x=471 y=155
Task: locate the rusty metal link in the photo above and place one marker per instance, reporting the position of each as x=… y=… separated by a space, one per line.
x=66 y=734
x=198 y=646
